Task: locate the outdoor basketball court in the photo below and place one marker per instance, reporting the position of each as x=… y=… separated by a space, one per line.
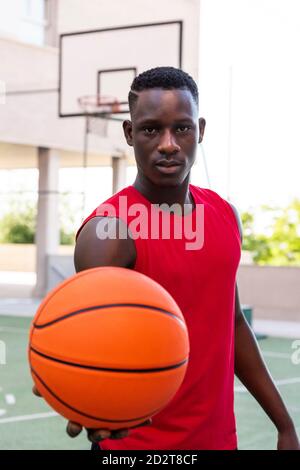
x=96 y=64
x=26 y=422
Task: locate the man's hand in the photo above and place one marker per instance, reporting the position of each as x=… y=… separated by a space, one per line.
x=96 y=435
x=288 y=440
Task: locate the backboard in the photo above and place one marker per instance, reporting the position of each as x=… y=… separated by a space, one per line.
x=105 y=61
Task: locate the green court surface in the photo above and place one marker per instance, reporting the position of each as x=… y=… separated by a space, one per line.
x=26 y=422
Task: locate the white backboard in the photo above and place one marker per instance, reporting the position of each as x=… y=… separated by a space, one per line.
x=106 y=61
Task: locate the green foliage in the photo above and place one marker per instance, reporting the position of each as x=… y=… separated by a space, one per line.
x=66 y=238
x=67 y=220
x=282 y=246
x=19 y=225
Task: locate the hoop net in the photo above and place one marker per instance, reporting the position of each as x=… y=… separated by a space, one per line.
x=99 y=105
x=98 y=110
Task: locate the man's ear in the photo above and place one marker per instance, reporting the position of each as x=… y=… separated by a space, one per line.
x=127 y=128
x=202 y=124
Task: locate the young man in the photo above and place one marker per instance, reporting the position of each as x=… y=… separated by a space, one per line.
x=164 y=131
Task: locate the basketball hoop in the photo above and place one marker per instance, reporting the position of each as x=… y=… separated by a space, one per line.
x=98 y=105
x=98 y=110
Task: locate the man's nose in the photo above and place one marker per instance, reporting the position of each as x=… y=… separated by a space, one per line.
x=168 y=144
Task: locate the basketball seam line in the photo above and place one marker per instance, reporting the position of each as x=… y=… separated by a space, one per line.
x=107 y=369
x=85 y=414
x=99 y=307
x=68 y=281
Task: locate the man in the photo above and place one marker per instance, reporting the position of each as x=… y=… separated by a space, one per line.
x=164 y=131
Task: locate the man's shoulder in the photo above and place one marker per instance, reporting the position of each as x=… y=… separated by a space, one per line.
x=209 y=193
x=108 y=207
x=206 y=193
x=212 y=197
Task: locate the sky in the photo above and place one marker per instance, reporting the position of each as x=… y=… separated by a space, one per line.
x=250 y=96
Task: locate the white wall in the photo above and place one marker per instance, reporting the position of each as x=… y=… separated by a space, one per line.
x=32 y=118
x=272 y=291
x=25 y=66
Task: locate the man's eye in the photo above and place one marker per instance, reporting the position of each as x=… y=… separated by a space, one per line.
x=150 y=130
x=181 y=129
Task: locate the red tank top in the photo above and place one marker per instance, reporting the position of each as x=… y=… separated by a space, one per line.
x=202 y=282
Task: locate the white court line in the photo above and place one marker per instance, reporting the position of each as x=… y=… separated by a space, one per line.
x=10 y=399
x=15 y=419
x=17 y=277
x=275 y=328
x=294 y=409
x=294 y=380
x=240 y=389
x=275 y=354
x=11 y=329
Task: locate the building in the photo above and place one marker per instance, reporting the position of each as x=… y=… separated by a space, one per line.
x=32 y=135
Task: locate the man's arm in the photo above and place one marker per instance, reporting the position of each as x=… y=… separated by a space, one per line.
x=99 y=244
x=252 y=371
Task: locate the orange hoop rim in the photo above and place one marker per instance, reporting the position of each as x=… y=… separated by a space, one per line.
x=99 y=104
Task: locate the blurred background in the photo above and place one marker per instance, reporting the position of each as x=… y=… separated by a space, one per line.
x=56 y=166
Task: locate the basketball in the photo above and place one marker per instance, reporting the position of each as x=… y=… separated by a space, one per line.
x=108 y=348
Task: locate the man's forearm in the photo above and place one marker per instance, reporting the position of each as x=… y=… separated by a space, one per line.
x=253 y=373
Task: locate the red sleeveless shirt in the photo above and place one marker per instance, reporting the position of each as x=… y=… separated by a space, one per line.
x=202 y=282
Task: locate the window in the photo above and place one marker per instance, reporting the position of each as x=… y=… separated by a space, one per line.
x=34 y=11
x=25 y=20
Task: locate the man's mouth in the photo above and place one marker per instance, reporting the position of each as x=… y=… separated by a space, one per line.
x=168 y=167
x=167 y=163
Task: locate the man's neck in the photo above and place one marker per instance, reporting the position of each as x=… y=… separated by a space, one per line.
x=165 y=195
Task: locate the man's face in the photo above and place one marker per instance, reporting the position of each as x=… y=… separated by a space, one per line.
x=164 y=132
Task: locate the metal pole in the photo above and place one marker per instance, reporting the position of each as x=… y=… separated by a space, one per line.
x=85 y=159
x=229 y=142
x=205 y=165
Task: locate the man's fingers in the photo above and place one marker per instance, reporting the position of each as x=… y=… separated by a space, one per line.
x=119 y=434
x=35 y=391
x=73 y=429
x=97 y=435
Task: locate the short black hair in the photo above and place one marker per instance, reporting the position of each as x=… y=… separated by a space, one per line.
x=167 y=78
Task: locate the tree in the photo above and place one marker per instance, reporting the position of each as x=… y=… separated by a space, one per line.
x=282 y=246
x=19 y=225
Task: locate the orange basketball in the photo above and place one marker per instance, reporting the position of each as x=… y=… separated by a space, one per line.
x=108 y=348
